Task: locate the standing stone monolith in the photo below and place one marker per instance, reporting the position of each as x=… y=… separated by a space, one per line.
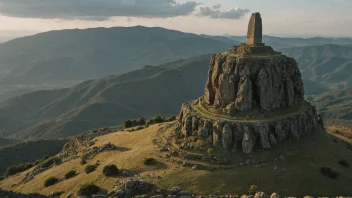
x=255 y=30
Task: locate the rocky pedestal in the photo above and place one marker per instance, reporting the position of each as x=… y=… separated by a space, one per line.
x=250 y=101
x=245 y=135
x=265 y=83
x=254 y=97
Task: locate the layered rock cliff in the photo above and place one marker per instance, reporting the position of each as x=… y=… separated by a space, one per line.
x=262 y=83
x=243 y=135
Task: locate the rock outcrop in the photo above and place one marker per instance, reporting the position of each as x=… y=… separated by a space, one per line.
x=244 y=135
x=261 y=83
x=254 y=98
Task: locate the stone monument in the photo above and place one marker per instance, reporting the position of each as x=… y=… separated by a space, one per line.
x=254 y=97
x=255 y=29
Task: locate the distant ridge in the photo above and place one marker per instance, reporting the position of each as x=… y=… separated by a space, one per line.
x=81 y=54
x=150 y=91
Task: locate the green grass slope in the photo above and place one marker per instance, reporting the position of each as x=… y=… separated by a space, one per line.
x=105 y=102
x=325 y=67
x=71 y=55
x=8 y=141
x=297 y=174
x=336 y=106
x=147 y=92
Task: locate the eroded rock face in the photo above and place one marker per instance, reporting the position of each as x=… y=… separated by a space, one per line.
x=247 y=136
x=248 y=140
x=227 y=139
x=255 y=100
x=263 y=83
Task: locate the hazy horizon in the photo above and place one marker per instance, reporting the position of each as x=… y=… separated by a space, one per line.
x=10 y=35
x=284 y=18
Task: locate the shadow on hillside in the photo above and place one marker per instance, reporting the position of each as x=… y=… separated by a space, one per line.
x=158 y=165
x=122 y=149
x=340 y=139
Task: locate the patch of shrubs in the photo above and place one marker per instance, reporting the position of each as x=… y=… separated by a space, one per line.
x=90 y=168
x=328 y=172
x=136 y=129
x=110 y=170
x=70 y=174
x=88 y=190
x=41 y=160
x=45 y=162
x=149 y=161
x=83 y=161
x=49 y=162
x=153 y=120
x=133 y=123
x=2 y=178
x=13 y=170
x=50 y=181
x=159 y=119
x=344 y=163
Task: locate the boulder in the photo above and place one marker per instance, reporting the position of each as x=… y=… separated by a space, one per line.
x=247 y=142
x=263 y=130
x=272 y=139
x=217 y=131
x=235 y=135
x=260 y=195
x=274 y=195
x=244 y=101
x=227 y=139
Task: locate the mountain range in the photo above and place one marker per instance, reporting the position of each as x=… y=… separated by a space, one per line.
x=144 y=92
x=61 y=56
x=279 y=43
x=150 y=91
x=104 y=102
x=75 y=55
x=325 y=67
x=336 y=106
x=59 y=59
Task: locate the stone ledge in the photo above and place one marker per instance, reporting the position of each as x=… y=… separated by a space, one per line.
x=244 y=136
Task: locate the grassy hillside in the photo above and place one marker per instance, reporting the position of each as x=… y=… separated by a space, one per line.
x=57 y=59
x=28 y=152
x=148 y=92
x=328 y=67
x=71 y=55
x=336 y=106
x=8 y=141
x=303 y=168
x=105 y=102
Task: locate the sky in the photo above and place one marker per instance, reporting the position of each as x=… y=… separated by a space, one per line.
x=299 y=18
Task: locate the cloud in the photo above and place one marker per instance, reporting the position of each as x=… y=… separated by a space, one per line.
x=216 y=12
x=128 y=19
x=104 y=9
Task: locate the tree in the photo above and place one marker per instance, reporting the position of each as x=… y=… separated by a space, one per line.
x=70 y=174
x=50 y=181
x=127 y=123
x=110 y=170
x=88 y=190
